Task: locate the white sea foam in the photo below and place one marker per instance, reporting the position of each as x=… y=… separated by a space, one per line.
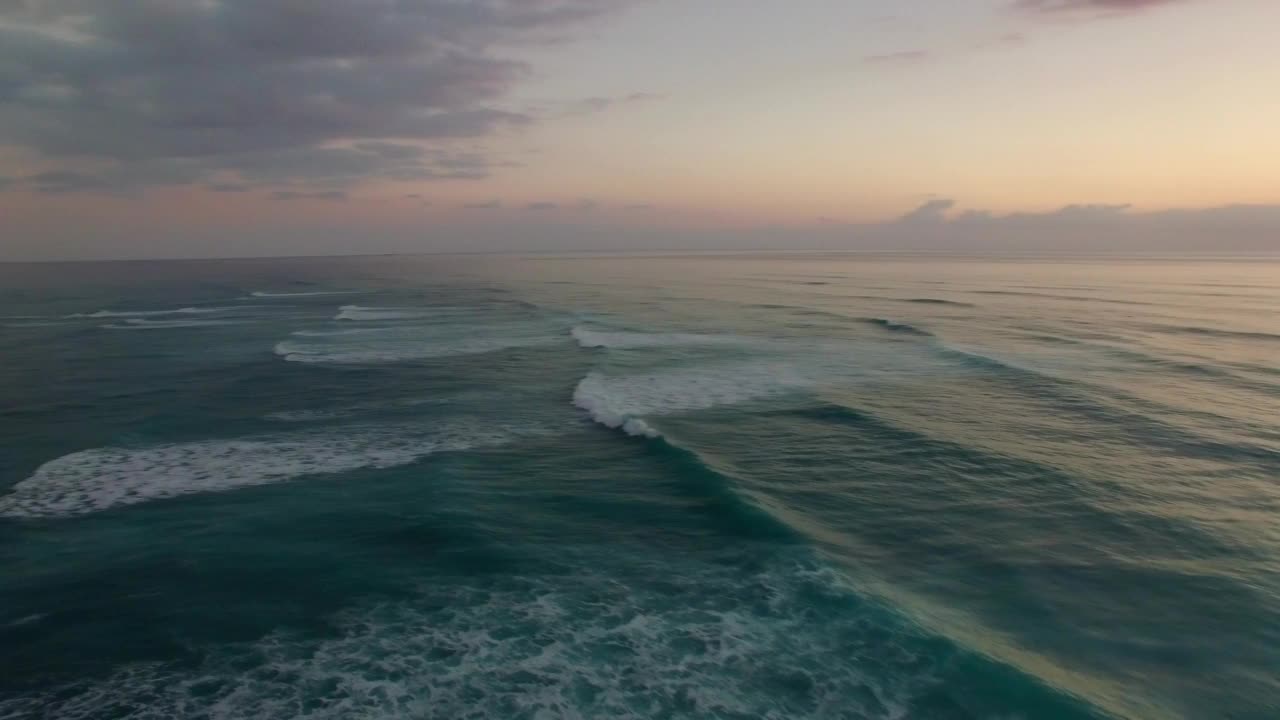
x=591 y=395
x=99 y=479
x=24 y=621
x=621 y=340
x=316 y=293
x=145 y=324
x=347 y=411
x=712 y=640
x=336 y=333
x=292 y=416
x=392 y=350
x=400 y=342
x=150 y=313
x=624 y=402
x=357 y=313
x=360 y=313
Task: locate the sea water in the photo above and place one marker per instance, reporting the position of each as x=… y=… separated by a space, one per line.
x=651 y=487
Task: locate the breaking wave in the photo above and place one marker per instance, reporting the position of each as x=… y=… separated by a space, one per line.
x=94 y=480
x=626 y=402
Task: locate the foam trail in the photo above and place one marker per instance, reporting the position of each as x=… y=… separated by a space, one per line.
x=307 y=415
x=620 y=340
x=24 y=621
x=144 y=324
x=335 y=333
x=94 y=480
x=357 y=313
x=400 y=349
x=150 y=313
x=360 y=313
x=263 y=294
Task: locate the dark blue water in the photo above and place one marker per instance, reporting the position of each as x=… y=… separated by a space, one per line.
x=659 y=487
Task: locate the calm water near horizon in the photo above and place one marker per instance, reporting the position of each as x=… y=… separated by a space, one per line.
x=729 y=486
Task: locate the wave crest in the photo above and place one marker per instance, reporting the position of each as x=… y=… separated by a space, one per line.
x=624 y=402
x=593 y=396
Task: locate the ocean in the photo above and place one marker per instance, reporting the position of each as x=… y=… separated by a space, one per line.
x=707 y=486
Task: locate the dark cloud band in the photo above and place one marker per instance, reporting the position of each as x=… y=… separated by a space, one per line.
x=158 y=92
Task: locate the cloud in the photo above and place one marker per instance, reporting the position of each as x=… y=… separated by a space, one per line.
x=939 y=211
x=600 y=104
x=66 y=181
x=905 y=57
x=939 y=225
x=1007 y=40
x=1095 y=7
x=933 y=211
x=642 y=207
x=268 y=90
x=326 y=195
x=541 y=206
x=228 y=187
x=487 y=205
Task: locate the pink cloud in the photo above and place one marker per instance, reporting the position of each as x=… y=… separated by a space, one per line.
x=906 y=57
x=1104 y=6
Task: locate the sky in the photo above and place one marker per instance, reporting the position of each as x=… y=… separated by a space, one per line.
x=211 y=128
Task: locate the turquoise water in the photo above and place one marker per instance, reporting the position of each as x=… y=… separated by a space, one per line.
x=654 y=487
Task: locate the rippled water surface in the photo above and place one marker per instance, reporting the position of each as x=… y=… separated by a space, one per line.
x=652 y=487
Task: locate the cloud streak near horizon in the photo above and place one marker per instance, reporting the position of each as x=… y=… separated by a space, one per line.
x=941 y=224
